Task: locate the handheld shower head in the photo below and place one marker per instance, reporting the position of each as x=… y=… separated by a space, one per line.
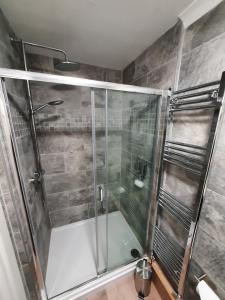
x=50 y=103
x=56 y=102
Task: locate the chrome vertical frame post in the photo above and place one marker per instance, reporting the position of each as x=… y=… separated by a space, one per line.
x=10 y=150
x=93 y=129
x=159 y=141
x=106 y=180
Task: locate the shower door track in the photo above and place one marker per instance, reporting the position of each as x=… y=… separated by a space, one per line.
x=96 y=283
x=106 y=277
x=76 y=81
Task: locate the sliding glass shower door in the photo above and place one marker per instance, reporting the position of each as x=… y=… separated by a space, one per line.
x=97 y=164
x=124 y=127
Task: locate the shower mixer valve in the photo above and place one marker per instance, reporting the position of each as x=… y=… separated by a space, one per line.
x=36 y=178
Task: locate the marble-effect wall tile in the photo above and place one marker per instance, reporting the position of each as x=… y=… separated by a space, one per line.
x=216 y=176
x=205 y=29
x=209 y=253
x=212 y=218
x=160 y=53
x=164 y=76
x=202 y=62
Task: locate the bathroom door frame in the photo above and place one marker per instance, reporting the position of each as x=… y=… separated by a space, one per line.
x=75 y=81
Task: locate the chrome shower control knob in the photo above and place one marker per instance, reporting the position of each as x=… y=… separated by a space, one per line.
x=36 y=178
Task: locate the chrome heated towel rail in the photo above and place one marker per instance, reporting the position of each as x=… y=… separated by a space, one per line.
x=190 y=158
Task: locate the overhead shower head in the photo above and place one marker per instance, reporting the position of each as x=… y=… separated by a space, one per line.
x=67 y=66
x=50 y=103
x=62 y=65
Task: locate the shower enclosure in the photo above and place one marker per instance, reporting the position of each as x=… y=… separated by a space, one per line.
x=89 y=207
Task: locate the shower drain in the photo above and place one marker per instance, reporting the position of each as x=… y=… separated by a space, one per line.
x=135 y=253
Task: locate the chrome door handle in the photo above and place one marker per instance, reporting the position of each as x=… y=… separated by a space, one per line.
x=101 y=193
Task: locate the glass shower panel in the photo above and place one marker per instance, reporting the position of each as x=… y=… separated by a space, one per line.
x=130 y=139
x=66 y=216
x=99 y=142
x=23 y=145
x=65 y=143
x=124 y=129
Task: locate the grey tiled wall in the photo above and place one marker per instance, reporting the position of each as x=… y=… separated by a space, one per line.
x=155 y=68
x=65 y=140
x=202 y=60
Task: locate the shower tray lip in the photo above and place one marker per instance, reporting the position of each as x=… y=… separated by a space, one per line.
x=57 y=286
x=96 y=284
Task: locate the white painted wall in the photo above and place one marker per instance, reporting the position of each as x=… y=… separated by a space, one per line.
x=11 y=286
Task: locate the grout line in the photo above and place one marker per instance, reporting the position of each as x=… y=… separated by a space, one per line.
x=152 y=70
x=218 y=242
x=211 y=190
x=204 y=44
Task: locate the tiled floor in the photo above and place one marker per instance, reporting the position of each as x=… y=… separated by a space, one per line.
x=122 y=289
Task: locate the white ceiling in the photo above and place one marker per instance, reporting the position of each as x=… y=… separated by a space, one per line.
x=108 y=33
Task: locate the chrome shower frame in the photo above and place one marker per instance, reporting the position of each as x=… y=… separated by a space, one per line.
x=67 y=80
